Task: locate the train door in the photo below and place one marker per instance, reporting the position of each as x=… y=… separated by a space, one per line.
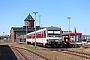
x=66 y=42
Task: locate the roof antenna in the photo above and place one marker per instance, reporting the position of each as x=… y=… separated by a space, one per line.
x=29 y=13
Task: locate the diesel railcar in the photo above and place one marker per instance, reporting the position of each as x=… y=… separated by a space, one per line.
x=49 y=36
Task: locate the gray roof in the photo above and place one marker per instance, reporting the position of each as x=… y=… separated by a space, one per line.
x=29 y=18
x=33 y=29
x=24 y=28
x=52 y=27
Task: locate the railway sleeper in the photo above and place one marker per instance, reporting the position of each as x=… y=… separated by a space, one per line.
x=79 y=53
x=35 y=53
x=86 y=57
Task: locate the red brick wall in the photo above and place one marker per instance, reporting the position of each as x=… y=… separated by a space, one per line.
x=29 y=23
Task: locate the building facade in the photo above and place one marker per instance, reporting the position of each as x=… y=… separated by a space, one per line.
x=19 y=33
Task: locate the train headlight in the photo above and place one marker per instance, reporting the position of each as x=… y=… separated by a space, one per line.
x=47 y=40
x=56 y=40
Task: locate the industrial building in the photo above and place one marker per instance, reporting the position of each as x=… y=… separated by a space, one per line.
x=19 y=33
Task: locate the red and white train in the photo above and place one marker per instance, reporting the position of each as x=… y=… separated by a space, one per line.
x=47 y=36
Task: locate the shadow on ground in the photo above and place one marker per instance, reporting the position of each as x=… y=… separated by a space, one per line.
x=6 y=53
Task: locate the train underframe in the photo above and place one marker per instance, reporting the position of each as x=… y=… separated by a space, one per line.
x=51 y=44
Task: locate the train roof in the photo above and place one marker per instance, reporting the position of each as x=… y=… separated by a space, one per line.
x=46 y=28
x=72 y=34
x=50 y=28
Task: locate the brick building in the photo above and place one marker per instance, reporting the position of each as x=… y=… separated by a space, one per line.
x=19 y=33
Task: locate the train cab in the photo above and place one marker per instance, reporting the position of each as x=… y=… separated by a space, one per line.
x=72 y=39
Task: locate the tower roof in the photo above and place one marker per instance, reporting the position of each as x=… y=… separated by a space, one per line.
x=28 y=18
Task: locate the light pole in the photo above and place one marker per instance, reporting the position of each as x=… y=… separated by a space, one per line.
x=61 y=32
x=41 y=26
x=35 y=27
x=75 y=36
x=3 y=36
x=39 y=20
x=26 y=30
x=69 y=26
x=85 y=34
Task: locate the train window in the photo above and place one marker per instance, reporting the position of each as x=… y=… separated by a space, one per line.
x=79 y=38
x=56 y=32
x=50 y=31
x=27 y=36
x=37 y=35
x=88 y=40
x=42 y=33
x=84 y=40
x=30 y=35
x=33 y=35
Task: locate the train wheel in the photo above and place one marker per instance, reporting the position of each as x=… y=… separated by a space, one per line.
x=31 y=43
x=45 y=45
x=28 y=43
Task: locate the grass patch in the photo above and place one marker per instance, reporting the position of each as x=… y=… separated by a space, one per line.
x=29 y=47
x=51 y=54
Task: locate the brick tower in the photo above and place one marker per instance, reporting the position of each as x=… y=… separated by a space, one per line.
x=29 y=21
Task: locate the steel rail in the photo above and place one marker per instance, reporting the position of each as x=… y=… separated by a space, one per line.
x=26 y=58
x=33 y=53
x=75 y=53
x=79 y=54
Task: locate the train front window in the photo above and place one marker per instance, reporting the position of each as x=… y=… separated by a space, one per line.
x=53 y=33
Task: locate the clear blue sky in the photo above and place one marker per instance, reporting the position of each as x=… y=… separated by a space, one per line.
x=53 y=13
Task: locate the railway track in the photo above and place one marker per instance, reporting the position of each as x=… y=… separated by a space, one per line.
x=79 y=54
x=66 y=51
x=74 y=53
x=29 y=55
x=19 y=54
